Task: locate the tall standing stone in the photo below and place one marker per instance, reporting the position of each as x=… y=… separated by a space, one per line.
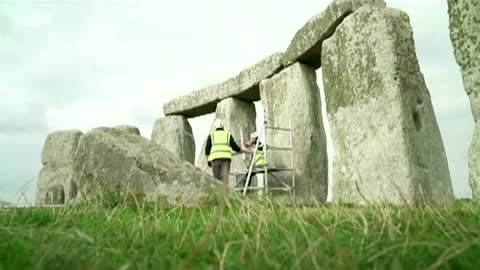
x=293 y=95
x=465 y=36
x=473 y=163
x=55 y=184
x=236 y=114
x=386 y=138
x=174 y=133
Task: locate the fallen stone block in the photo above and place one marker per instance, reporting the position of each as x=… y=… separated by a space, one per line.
x=243 y=86
x=388 y=147
x=174 y=133
x=109 y=161
x=306 y=45
x=128 y=128
x=60 y=147
x=236 y=114
x=293 y=95
x=465 y=36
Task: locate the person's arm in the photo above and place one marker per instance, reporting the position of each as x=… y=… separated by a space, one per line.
x=237 y=149
x=234 y=145
x=208 y=146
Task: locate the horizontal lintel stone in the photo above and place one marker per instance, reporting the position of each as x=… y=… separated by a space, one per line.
x=243 y=86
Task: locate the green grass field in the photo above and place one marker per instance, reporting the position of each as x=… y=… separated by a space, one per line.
x=244 y=235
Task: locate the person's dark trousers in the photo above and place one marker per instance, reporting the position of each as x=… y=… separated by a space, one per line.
x=221 y=169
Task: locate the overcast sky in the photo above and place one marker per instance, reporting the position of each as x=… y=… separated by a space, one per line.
x=80 y=64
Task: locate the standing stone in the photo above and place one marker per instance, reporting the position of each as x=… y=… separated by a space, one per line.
x=109 y=162
x=57 y=173
x=128 y=128
x=386 y=138
x=293 y=94
x=236 y=114
x=174 y=133
x=473 y=163
x=465 y=36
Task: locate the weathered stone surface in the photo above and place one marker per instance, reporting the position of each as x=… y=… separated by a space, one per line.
x=465 y=36
x=306 y=45
x=128 y=128
x=386 y=138
x=52 y=176
x=110 y=161
x=57 y=159
x=293 y=94
x=236 y=114
x=55 y=195
x=243 y=86
x=60 y=146
x=174 y=133
x=474 y=160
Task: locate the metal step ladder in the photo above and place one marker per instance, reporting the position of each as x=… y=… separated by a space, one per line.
x=269 y=169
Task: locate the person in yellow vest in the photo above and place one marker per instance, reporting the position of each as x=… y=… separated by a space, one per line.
x=218 y=150
x=259 y=155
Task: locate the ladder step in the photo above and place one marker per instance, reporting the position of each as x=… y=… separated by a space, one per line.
x=249 y=188
x=278 y=128
x=279 y=148
x=280 y=189
x=279 y=169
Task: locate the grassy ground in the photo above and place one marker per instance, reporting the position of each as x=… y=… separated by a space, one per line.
x=253 y=235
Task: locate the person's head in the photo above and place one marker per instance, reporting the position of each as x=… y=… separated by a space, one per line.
x=254 y=136
x=218 y=124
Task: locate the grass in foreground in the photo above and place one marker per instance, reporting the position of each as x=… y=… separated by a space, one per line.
x=252 y=235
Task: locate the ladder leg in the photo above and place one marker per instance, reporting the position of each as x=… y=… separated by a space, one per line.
x=266 y=180
x=265 y=148
x=252 y=162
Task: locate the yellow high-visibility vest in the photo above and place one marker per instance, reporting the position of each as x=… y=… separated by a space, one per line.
x=220 y=145
x=259 y=158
